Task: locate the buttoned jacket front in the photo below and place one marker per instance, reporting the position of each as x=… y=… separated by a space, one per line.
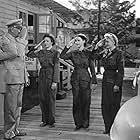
x=49 y=61
x=13 y=55
x=81 y=61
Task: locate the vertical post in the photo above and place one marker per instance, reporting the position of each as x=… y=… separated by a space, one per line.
x=1 y=110
x=124 y=55
x=99 y=18
x=2 y=91
x=138 y=82
x=68 y=79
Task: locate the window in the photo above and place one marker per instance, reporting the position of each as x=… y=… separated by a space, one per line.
x=137 y=42
x=59 y=23
x=23 y=16
x=45 y=24
x=31 y=32
x=28 y=20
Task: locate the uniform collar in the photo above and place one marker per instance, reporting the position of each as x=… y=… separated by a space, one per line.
x=114 y=50
x=49 y=48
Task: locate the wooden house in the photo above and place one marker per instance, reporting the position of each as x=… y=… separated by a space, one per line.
x=40 y=17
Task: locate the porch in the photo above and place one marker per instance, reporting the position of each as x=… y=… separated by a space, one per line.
x=64 y=127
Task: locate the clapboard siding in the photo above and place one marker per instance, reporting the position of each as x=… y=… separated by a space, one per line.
x=32 y=8
x=9 y=2
x=9 y=10
x=6 y=16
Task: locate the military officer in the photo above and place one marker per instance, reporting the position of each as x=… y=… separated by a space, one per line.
x=13 y=45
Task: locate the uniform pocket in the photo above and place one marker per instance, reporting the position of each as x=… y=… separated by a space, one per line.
x=85 y=84
x=85 y=77
x=109 y=80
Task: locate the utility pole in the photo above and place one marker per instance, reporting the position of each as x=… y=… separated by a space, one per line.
x=99 y=18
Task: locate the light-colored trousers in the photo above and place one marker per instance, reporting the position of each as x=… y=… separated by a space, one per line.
x=138 y=83
x=2 y=78
x=12 y=109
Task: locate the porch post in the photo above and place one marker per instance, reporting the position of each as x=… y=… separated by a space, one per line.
x=2 y=91
x=1 y=110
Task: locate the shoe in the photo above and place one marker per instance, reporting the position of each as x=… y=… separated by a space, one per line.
x=43 y=124
x=51 y=125
x=106 y=132
x=21 y=134
x=16 y=138
x=13 y=138
x=8 y=138
x=85 y=126
x=77 y=128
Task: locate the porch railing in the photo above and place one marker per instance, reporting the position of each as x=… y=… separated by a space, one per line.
x=65 y=74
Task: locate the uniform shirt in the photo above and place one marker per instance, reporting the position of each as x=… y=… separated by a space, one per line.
x=49 y=60
x=114 y=68
x=13 y=56
x=81 y=61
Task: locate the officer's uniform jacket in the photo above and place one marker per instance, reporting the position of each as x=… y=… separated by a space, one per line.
x=2 y=77
x=13 y=55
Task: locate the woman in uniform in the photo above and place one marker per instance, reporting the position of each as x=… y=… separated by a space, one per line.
x=48 y=78
x=112 y=61
x=83 y=79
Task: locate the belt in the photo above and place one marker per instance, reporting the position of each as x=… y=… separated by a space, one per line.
x=79 y=68
x=111 y=70
x=46 y=68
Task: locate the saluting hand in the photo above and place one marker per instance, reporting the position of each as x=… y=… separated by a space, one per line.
x=27 y=83
x=137 y=73
x=71 y=43
x=93 y=87
x=116 y=88
x=38 y=49
x=54 y=86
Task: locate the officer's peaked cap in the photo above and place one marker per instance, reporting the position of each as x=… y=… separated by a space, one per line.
x=17 y=22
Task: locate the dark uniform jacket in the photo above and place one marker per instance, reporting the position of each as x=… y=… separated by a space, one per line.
x=49 y=61
x=81 y=61
x=114 y=69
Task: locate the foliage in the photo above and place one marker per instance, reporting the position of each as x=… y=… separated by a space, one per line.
x=115 y=16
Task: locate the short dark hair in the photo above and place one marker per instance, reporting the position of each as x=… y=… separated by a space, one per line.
x=51 y=37
x=83 y=36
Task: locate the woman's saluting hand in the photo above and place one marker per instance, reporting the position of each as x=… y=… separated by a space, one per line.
x=71 y=43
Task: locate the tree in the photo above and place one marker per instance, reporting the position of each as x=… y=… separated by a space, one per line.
x=115 y=17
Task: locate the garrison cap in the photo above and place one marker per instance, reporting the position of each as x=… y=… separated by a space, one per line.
x=113 y=37
x=17 y=22
x=51 y=36
x=83 y=36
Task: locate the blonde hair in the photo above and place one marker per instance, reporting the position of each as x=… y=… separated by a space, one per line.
x=112 y=37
